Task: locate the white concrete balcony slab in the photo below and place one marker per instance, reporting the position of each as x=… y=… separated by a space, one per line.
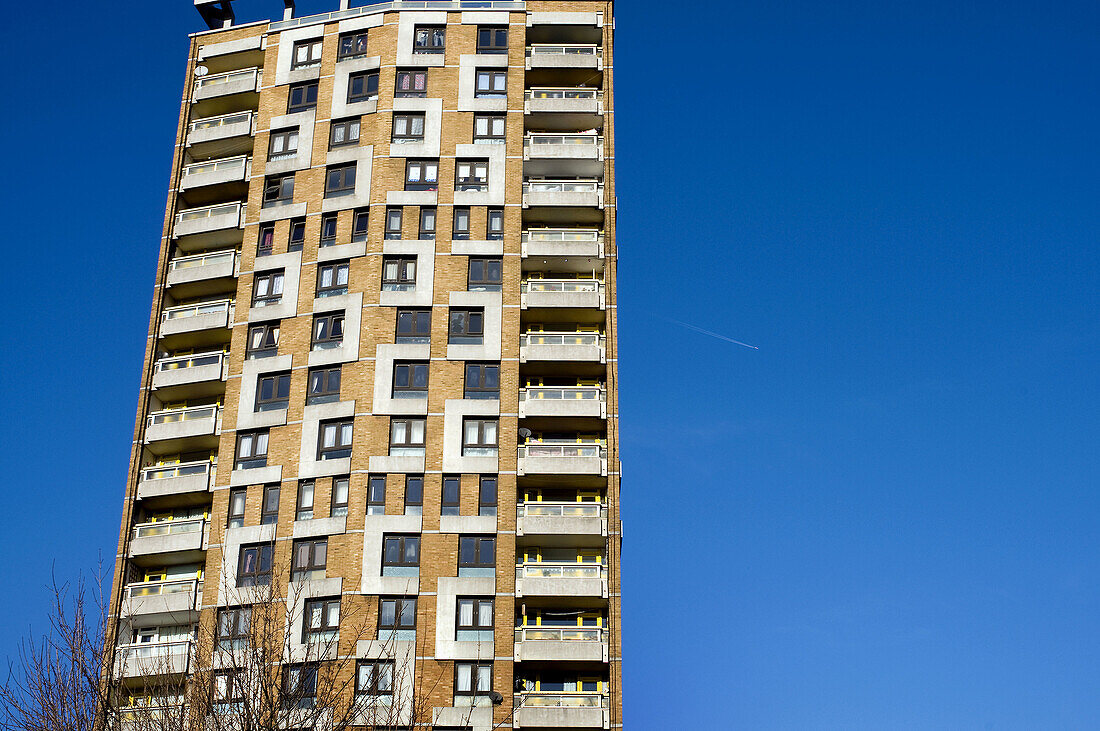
x=575 y=193
x=215 y=172
x=202 y=267
x=552 y=146
x=562 y=459
x=214 y=86
x=558 y=293
x=561 y=519
x=562 y=242
x=168 y=536
x=563 y=347
x=562 y=710
x=562 y=100
x=576 y=401
x=174 y=601
x=197 y=421
x=185 y=370
x=221 y=131
x=195 y=317
x=153 y=658
x=209 y=219
x=176 y=479
x=554 y=579
x=564 y=56
x=565 y=644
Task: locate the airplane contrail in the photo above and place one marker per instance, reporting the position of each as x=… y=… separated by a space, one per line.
x=712 y=334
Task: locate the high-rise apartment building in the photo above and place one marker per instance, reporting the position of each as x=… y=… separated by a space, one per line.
x=380 y=386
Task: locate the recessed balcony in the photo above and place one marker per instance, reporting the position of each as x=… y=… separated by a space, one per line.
x=196 y=317
x=580 y=193
x=145 y=659
x=564 y=644
x=202 y=273
x=561 y=579
x=228 y=92
x=583 y=347
x=175 y=479
x=215 y=172
x=558 y=293
x=225 y=134
x=574 y=458
x=564 y=56
x=563 y=100
x=183 y=537
x=555 y=146
x=209 y=225
x=565 y=519
x=575 y=401
x=177 y=425
x=579 y=243
x=171 y=601
x=179 y=378
x=562 y=710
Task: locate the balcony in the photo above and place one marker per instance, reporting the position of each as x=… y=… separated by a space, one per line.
x=577 y=644
x=562 y=710
x=575 y=401
x=174 y=425
x=576 y=146
x=143 y=659
x=168 y=601
x=179 y=378
x=229 y=92
x=555 y=193
x=185 y=537
x=209 y=225
x=574 y=458
x=225 y=134
x=558 y=293
x=176 y=479
x=563 y=100
x=561 y=579
x=198 y=274
x=197 y=317
x=579 y=522
x=581 y=347
x=215 y=172
x=564 y=56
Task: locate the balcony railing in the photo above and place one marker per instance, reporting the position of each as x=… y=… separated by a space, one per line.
x=562 y=700
x=561 y=235
x=550 y=338
x=150 y=713
x=562 y=93
x=185 y=469
x=223 y=120
x=562 y=186
x=163 y=588
x=214 y=80
x=196 y=214
x=173 y=416
x=560 y=570
x=540 y=139
x=562 y=450
x=169 y=527
x=154 y=650
x=563 y=393
x=188 y=361
x=201 y=260
x=560 y=634
x=195 y=310
x=563 y=49
x=561 y=285
x=560 y=510
x=227 y=164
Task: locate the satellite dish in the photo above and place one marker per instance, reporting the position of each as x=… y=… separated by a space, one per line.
x=525 y=432
x=201 y=71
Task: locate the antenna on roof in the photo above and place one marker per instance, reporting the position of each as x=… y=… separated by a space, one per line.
x=216 y=13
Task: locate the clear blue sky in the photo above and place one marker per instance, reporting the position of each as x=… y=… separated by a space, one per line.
x=885 y=518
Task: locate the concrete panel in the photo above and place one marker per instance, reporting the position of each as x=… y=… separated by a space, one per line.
x=564 y=18
x=471 y=247
x=561 y=717
x=396 y=464
x=285 y=56
x=563 y=152
x=463 y=717
x=423 y=289
x=433 y=125
x=245 y=85
x=305 y=122
x=564 y=61
x=385 y=355
x=280 y=211
x=550 y=525
x=224 y=269
x=173 y=486
x=208 y=321
x=182 y=429
x=171 y=543
x=135 y=667
x=251 y=371
x=412 y=197
x=484 y=17
x=229 y=174
x=374 y=527
x=344 y=69
x=291 y=266
x=446 y=610
x=406 y=24
x=562 y=466
x=560 y=587
x=489 y=349
x=176 y=608
x=320 y=527
x=256 y=476
x=312 y=416
x=185 y=376
x=360 y=198
x=591 y=249
x=494 y=196
x=468 y=64
x=561 y=651
x=563 y=198
x=571 y=106
x=562 y=353
x=341 y=251
x=352 y=305
x=222 y=132
x=241 y=45
x=454 y=412
x=588 y=300
x=468 y=524
x=231 y=219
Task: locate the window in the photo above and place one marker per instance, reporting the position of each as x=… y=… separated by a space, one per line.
x=422 y=175
x=429 y=39
x=374 y=677
x=488 y=128
x=324 y=385
x=476 y=552
x=263 y=340
x=472 y=175
x=411 y=84
x=297 y=234
x=401 y=551
x=307 y=53
x=494 y=224
x=335 y=439
x=406 y=437
x=321 y=621
x=269 y=510
x=300 y=686
x=362 y=87
x=228 y=688
x=340 y=180
x=451 y=493
x=466 y=326
x=376 y=495
x=491 y=84
x=479 y=437
x=359 y=223
x=482 y=381
x=251 y=450
x=267 y=289
x=487 y=496
x=485 y=275
x=233 y=627
x=343 y=132
x=306 y=489
x=427 y=224
x=328 y=229
x=328 y=331
x=332 y=279
x=236 y=508
x=393 y=223
x=278 y=189
x=414 y=326
x=410 y=380
x=265 y=243
x=338 y=507
x=396 y=614
x=302 y=97
x=254 y=565
x=408 y=127
x=398 y=273
x=492 y=40
x=352 y=45
x=414 y=494
x=310 y=558
x=273 y=392
x=473 y=679
x=474 y=615
x=461 y=229
x=284 y=143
